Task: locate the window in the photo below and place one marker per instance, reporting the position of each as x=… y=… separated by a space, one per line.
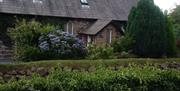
x=84 y=4
x=122 y=28
x=69 y=28
x=38 y=1
x=109 y=37
x=90 y=40
x=1 y=0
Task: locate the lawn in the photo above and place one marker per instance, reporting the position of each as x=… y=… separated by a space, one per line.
x=85 y=63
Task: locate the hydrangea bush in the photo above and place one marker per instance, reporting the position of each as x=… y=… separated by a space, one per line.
x=59 y=44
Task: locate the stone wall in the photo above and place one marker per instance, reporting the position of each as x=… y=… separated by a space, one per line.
x=8 y=72
x=5 y=52
x=101 y=37
x=81 y=25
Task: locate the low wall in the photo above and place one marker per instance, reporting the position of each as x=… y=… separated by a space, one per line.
x=5 y=52
x=16 y=71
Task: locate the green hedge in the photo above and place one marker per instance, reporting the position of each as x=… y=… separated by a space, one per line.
x=125 y=79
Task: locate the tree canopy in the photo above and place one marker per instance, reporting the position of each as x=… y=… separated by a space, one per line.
x=175 y=14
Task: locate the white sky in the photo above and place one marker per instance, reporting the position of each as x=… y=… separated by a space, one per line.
x=167 y=4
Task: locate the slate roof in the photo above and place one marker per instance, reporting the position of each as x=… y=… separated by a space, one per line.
x=99 y=9
x=96 y=27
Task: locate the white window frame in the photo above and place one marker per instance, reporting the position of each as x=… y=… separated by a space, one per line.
x=67 y=27
x=84 y=1
x=110 y=37
x=85 y=6
x=38 y=1
x=1 y=0
x=72 y=28
x=89 y=39
x=122 y=28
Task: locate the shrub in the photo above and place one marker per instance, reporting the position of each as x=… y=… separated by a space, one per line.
x=27 y=53
x=34 y=41
x=125 y=79
x=147 y=26
x=60 y=45
x=100 y=52
x=25 y=37
x=123 y=44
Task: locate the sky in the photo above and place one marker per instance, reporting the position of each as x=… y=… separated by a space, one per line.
x=167 y=4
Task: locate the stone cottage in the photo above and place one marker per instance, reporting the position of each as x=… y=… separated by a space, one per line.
x=94 y=21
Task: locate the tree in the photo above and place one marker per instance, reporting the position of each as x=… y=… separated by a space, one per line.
x=176 y=22
x=171 y=41
x=147 y=26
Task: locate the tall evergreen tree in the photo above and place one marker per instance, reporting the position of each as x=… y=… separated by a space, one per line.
x=148 y=28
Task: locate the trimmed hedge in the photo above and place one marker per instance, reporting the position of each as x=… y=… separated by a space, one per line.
x=126 y=79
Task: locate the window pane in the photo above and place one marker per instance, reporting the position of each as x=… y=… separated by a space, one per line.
x=84 y=1
x=38 y=1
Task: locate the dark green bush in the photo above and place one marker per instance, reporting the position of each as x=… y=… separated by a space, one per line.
x=123 y=44
x=125 y=79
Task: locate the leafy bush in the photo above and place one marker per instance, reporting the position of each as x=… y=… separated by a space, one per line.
x=100 y=52
x=34 y=41
x=25 y=37
x=59 y=44
x=123 y=44
x=125 y=79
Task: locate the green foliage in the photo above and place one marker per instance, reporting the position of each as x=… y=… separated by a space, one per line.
x=131 y=19
x=25 y=36
x=147 y=27
x=36 y=41
x=126 y=79
x=124 y=43
x=176 y=20
x=100 y=52
x=171 y=42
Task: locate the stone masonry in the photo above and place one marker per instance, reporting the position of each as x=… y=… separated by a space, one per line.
x=5 y=52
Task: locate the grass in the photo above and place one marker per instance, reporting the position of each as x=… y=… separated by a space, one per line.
x=83 y=63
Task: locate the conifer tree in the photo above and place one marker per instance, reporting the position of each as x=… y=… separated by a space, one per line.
x=147 y=26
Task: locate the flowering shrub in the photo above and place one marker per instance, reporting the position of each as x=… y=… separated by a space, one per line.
x=59 y=44
x=36 y=41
